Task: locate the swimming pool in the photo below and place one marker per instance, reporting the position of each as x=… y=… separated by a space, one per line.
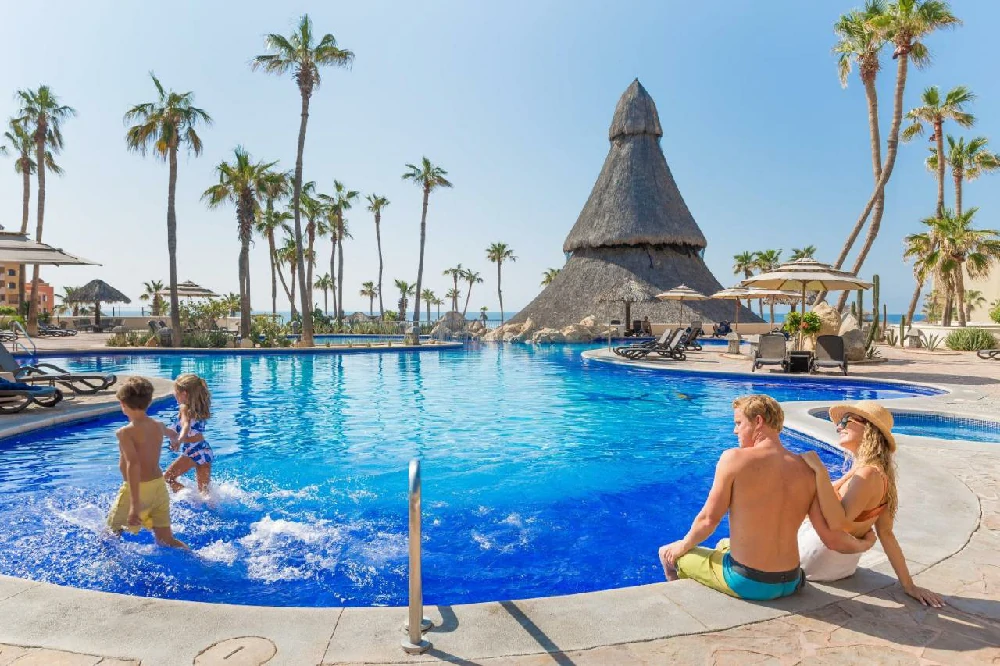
x=543 y=474
x=946 y=427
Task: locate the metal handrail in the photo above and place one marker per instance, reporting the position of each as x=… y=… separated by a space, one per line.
x=16 y=326
x=415 y=643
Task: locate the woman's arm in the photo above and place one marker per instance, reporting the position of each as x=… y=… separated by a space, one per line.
x=860 y=490
x=895 y=554
x=838 y=540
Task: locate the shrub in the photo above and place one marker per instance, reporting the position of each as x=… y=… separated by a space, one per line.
x=268 y=333
x=995 y=312
x=205 y=339
x=809 y=323
x=129 y=339
x=931 y=342
x=971 y=339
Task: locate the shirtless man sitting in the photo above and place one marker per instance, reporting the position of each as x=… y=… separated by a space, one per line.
x=767 y=491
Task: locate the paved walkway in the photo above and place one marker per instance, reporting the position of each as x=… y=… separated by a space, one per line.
x=949 y=526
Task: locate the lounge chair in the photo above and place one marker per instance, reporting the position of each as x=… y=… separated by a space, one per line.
x=671 y=348
x=7 y=336
x=622 y=351
x=722 y=329
x=52 y=374
x=989 y=354
x=18 y=396
x=772 y=349
x=829 y=354
x=691 y=335
x=54 y=331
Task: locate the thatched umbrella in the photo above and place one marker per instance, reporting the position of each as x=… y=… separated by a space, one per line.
x=629 y=292
x=189 y=289
x=634 y=226
x=97 y=292
x=681 y=293
x=806 y=274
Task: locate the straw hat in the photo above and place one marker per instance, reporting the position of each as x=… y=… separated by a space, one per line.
x=871 y=411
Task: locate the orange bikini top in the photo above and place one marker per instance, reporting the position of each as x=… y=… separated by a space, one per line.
x=867 y=515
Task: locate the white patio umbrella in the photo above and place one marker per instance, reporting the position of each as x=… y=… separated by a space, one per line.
x=804 y=275
x=189 y=289
x=733 y=294
x=18 y=250
x=681 y=293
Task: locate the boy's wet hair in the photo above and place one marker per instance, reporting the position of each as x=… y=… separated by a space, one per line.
x=761 y=405
x=135 y=393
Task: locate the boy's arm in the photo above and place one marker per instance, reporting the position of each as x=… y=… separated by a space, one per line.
x=711 y=514
x=171 y=435
x=132 y=474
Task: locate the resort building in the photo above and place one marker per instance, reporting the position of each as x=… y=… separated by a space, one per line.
x=10 y=293
x=46 y=295
x=634 y=227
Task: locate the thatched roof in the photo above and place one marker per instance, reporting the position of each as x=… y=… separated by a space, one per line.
x=635 y=200
x=576 y=290
x=629 y=291
x=97 y=291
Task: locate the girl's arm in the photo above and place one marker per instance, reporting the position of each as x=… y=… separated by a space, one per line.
x=859 y=492
x=895 y=554
x=169 y=433
x=185 y=435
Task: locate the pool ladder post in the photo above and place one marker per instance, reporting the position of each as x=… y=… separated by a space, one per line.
x=416 y=623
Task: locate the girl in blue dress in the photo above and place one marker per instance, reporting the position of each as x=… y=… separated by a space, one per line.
x=195 y=403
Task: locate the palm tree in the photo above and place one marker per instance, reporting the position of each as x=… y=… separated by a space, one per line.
x=964 y=249
x=498 y=253
x=549 y=275
x=455 y=273
x=41 y=113
x=288 y=254
x=472 y=277
x=375 y=204
x=312 y=208
x=859 y=43
x=921 y=249
x=767 y=260
x=807 y=252
x=935 y=112
x=241 y=184
x=438 y=302
x=341 y=200
x=428 y=178
x=745 y=263
x=325 y=282
x=276 y=186
x=152 y=293
x=429 y=298
x=164 y=125
x=232 y=303
x=405 y=289
x=905 y=23
x=298 y=54
x=454 y=295
x=68 y=302
x=973 y=299
x=20 y=142
x=370 y=291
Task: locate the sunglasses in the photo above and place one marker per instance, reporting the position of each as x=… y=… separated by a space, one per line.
x=848 y=418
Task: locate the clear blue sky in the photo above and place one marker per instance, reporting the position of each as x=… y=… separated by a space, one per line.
x=513 y=99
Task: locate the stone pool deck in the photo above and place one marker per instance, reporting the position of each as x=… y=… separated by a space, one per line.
x=949 y=526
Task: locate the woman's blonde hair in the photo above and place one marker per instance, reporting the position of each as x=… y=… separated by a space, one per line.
x=199 y=404
x=876 y=452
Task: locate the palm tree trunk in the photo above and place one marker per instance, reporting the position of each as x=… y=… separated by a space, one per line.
x=378 y=242
x=439 y=309
x=960 y=293
x=245 y=287
x=307 y=324
x=958 y=176
x=371 y=305
x=939 y=135
x=284 y=285
x=428 y=304
x=274 y=277
x=292 y=295
x=871 y=94
x=420 y=263
x=340 y=268
x=311 y=239
x=468 y=295
x=499 y=292
x=454 y=299
x=40 y=134
x=913 y=303
x=326 y=302
x=873 y=230
x=333 y=272
x=25 y=213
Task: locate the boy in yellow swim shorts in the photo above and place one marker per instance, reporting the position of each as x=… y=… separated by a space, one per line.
x=143 y=500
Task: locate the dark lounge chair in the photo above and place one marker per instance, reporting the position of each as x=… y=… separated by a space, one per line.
x=17 y=396
x=772 y=349
x=722 y=329
x=55 y=331
x=691 y=335
x=52 y=374
x=671 y=348
x=830 y=353
x=622 y=351
x=989 y=354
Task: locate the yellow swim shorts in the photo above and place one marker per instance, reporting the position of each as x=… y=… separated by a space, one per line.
x=154 y=507
x=705 y=566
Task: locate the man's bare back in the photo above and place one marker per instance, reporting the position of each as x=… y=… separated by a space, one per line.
x=772 y=492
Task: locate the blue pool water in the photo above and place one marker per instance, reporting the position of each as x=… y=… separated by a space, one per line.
x=947 y=427
x=543 y=474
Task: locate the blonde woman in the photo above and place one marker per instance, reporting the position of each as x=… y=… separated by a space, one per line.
x=864 y=498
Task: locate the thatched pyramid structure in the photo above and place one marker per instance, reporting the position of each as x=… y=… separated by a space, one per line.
x=635 y=225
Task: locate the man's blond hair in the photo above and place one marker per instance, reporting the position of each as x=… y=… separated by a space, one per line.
x=764 y=406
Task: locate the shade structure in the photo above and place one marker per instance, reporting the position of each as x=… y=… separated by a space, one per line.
x=806 y=274
x=732 y=294
x=628 y=292
x=681 y=293
x=18 y=249
x=97 y=292
x=634 y=225
x=189 y=289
